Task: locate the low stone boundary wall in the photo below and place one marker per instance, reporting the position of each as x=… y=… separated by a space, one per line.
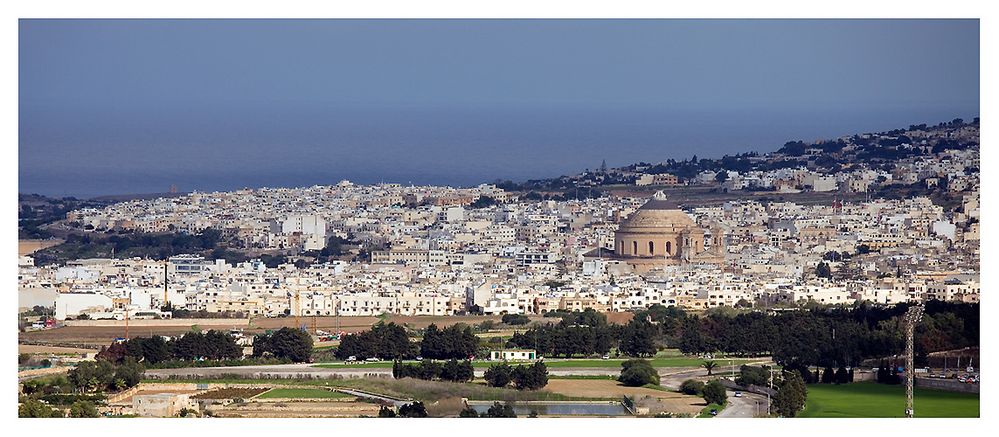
x=227 y=323
x=948 y=384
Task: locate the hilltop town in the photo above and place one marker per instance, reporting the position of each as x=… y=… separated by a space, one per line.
x=625 y=282
x=426 y=250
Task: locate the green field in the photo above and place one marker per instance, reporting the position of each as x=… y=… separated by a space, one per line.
x=706 y=411
x=301 y=393
x=867 y=399
x=558 y=363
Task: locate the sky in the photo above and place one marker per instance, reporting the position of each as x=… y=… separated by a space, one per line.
x=133 y=106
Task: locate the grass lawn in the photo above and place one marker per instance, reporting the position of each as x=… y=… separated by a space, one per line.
x=301 y=393
x=706 y=412
x=868 y=399
x=555 y=363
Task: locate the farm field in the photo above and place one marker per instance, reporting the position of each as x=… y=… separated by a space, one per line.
x=868 y=399
x=302 y=393
x=656 y=400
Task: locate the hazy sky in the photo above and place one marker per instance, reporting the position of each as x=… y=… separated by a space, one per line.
x=116 y=106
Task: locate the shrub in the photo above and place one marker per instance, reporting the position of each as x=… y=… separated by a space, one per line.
x=33 y=408
x=83 y=409
x=500 y=410
x=385 y=412
x=515 y=319
x=636 y=373
x=415 y=409
x=714 y=393
x=692 y=387
x=499 y=375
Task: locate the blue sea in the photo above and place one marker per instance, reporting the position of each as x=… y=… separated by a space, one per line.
x=146 y=150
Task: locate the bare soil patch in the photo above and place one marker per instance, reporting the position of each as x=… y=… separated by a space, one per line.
x=604 y=388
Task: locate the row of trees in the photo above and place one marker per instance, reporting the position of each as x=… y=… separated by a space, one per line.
x=456 y=342
x=213 y=345
x=452 y=370
x=524 y=377
x=103 y=375
x=818 y=336
x=387 y=341
x=285 y=343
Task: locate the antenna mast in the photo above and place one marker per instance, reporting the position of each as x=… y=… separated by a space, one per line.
x=912 y=317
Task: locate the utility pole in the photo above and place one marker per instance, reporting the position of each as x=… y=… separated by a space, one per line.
x=338 y=318
x=771 y=381
x=298 y=314
x=166 y=299
x=912 y=317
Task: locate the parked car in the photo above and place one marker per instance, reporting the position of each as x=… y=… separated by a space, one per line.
x=605 y=357
x=372 y=360
x=738 y=394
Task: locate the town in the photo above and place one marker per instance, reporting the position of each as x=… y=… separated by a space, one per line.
x=650 y=262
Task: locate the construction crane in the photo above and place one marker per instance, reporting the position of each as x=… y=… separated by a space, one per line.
x=911 y=318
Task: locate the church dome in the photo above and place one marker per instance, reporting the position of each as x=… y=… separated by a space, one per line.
x=658 y=215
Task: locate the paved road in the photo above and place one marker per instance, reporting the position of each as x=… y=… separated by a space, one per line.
x=308 y=370
x=748 y=405
x=672 y=376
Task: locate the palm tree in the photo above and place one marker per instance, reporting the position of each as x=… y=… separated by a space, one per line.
x=709 y=365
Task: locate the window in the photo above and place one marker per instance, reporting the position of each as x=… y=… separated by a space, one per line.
x=634 y=248
x=652 y=248
x=669 y=248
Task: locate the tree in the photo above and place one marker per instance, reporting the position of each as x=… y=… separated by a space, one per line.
x=714 y=393
x=415 y=409
x=128 y=373
x=692 y=387
x=36 y=408
x=500 y=410
x=791 y=394
x=532 y=377
x=822 y=270
x=636 y=373
x=468 y=412
x=387 y=341
x=83 y=409
x=457 y=371
x=499 y=375
x=454 y=342
x=638 y=339
x=709 y=366
x=384 y=411
x=828 y=375
x=289 y=343
x=842 y=376
x=753 y=375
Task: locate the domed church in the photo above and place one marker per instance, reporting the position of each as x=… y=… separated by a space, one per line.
x=660 y=234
